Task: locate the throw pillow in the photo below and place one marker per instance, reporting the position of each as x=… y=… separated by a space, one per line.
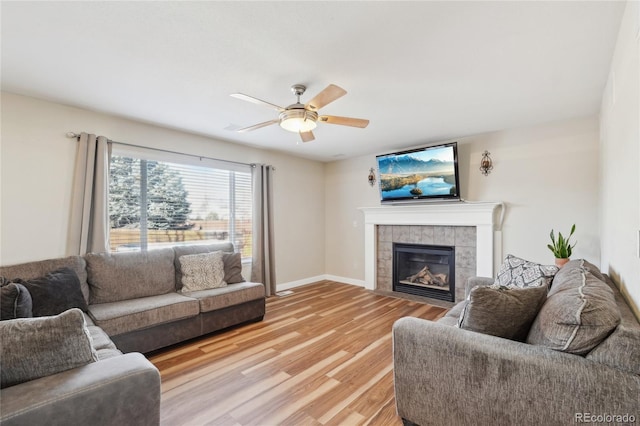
x=578 y=315
x=31 y=348
x=502 y=311
x=56 y=292
x=15 y=302
x=202 y=271
x=114 y=277
x=517 y=272
x=592 y=268
x=185 y=250
x=565 y=274
x=232 y=268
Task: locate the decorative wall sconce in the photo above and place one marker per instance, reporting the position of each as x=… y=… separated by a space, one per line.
x=486 y=164
x=372 y=176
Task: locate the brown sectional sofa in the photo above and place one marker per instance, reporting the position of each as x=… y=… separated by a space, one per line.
x=134 y=305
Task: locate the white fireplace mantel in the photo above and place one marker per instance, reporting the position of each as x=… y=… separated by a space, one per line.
x=478 y=214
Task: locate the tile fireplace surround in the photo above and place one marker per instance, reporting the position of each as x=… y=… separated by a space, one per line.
x=471 y=227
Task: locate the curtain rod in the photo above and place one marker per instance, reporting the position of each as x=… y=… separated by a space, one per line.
x=74 y=135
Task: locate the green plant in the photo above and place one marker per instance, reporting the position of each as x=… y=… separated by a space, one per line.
x=561 y=247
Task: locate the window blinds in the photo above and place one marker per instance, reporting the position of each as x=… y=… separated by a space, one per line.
x=159 y=200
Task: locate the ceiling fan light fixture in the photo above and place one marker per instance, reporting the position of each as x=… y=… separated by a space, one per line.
x=303 y=118
x=298 y=120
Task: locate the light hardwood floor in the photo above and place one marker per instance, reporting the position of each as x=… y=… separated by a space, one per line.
x=322 y=356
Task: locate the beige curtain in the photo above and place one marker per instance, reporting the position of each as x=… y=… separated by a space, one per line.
x=89 y=227
x=263 y=263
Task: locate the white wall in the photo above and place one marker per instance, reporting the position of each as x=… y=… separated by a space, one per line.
x=547 y=175
x=620 y=161
x=37 y=171
x=347 y=189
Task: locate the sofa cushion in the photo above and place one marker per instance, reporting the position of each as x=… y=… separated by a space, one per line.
x=27 y=271
x=502 y=311
x=621 y=349
x=517 y=272
x=123 y=276
x=108 y=353
x=196 y=249
x=88 y=319
x=577 y=264
x=121 y=317
x=591 y=268
x=579 y=313
x=102 y=344
x=202 y=271
x=232 y=294
x=565 y=274
x=55 y=293
x=36 y=347
x=100 y=339
x=15 y=302
x=452 y=317
x=232 y=268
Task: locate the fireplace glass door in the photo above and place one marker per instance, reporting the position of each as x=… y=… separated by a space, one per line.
x=424 y=270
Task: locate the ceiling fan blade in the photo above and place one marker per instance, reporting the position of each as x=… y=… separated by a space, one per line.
x=328 y=95
x=307 y=136
x=257 y=126
x=344 y=121
x=256 y=101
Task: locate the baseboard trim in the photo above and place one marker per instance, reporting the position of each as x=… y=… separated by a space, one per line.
x=300 y=283
x=352 y=281
x=311 y=280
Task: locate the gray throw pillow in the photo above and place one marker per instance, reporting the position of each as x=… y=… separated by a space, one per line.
x=113 y=277
x=31 y=348
x=232 y=268
x=15 y=302
x=54 y=293
x=517 y=272
x=502 y=311
x=578 y=315
x=202 y=271
x=565 y=274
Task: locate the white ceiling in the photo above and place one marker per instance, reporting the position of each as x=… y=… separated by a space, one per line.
x=422 y=72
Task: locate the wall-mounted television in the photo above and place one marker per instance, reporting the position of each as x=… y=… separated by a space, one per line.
x=423 y=174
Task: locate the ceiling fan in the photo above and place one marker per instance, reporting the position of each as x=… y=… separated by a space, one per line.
x=303 y=118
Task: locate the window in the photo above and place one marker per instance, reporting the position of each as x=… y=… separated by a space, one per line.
x=160 y=200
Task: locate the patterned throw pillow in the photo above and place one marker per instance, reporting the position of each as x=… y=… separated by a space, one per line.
x=202 y=271
x=516 y=272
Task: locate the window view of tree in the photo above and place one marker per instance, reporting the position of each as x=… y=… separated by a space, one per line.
x=124 y=192
x=167 y=204
x=155 y=204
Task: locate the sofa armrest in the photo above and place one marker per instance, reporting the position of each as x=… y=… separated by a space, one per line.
x=446 y=375
x=115 y=391
x=475 y=282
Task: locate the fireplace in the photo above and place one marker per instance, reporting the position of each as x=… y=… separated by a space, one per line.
x=474 y=229
x=424 y=270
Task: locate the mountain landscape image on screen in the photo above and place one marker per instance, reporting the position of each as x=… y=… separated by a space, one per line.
x=409 y=176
